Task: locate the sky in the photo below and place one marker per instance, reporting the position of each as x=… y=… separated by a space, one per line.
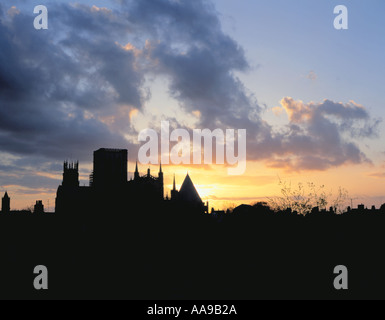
x=310 y=97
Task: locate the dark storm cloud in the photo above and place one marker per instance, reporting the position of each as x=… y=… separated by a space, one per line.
x=50 y=78
x=107 y=67
x=102 y=23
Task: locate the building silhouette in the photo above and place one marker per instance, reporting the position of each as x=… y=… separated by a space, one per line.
x=39 y=207
x=188 y=195
x=109 y=189
x=147 y=185
x=71 y=174
x=110 y=168
x=6 y=203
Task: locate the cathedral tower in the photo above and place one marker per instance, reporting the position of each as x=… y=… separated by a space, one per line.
x=6 y=204
x=71 y=174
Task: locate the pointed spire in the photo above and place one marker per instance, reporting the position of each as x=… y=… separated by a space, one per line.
x=174 y=186
x=136 y=175
x=160 y=168
x=188 y=192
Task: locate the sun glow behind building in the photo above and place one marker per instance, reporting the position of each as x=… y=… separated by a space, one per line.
x=108 y=73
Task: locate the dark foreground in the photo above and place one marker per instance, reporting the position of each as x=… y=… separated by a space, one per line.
x=158 y=254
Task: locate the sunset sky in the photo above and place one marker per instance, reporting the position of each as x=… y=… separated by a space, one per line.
x=310 y=97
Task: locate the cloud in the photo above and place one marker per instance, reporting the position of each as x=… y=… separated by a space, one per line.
x=322 y=135
x=378 y=175
x=277 y=111
x=185 y=42
x=73 y=88
x=75 y=85
x=50 y=82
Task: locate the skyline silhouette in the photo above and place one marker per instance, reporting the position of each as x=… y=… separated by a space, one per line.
x=300 y=86
x=121 y=239
x=110 y=176
x=69 y=89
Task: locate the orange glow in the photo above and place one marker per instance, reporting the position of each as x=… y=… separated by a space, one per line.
x=133 y=113
x=197 y=113
x=259 y=183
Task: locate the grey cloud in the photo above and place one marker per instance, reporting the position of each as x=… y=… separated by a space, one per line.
x=69 y=90
x=188 y=45
x=321 y=135
x=49 y=78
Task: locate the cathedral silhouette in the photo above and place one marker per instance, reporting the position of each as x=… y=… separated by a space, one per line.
x=110 y=190
x=120 y=238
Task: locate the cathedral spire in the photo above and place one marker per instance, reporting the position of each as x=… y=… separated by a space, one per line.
x=5 y=203
x=160 y=175
x=174 y=186
x=136 y=175
x=188 y=191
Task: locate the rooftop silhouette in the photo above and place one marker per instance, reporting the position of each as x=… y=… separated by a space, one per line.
x=110 y=189
x=124 y=236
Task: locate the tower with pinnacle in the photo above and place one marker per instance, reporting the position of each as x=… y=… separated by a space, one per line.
x=6 y=203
